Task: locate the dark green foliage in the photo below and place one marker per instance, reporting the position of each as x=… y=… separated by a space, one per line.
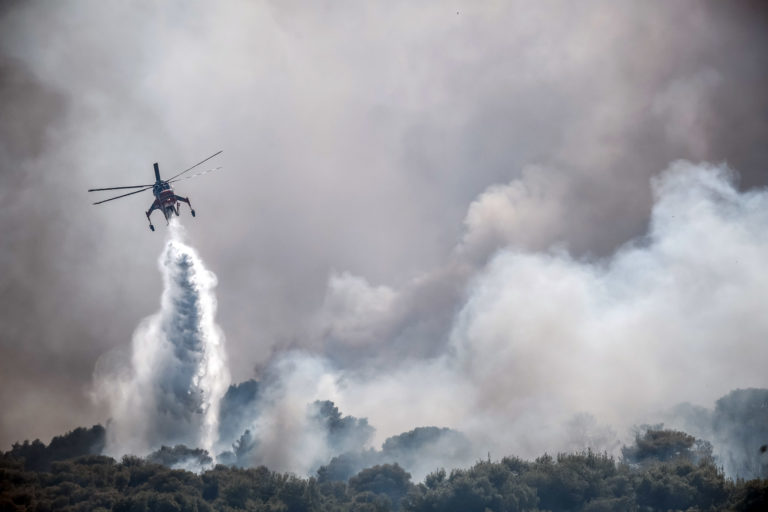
x=414 y=439
x=586 y=482
x=657 y=445
x=572 y=480
x=486 y=486
x=343 y=466
x=682 y=485
x=751 y=496
x=80 y=441
x=389 y=480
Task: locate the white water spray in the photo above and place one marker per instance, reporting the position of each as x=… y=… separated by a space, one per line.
x=170 y=391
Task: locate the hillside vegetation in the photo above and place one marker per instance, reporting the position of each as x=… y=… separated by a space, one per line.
x=663 y=470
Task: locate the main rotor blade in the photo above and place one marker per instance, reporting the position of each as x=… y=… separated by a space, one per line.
x=128 y=194
x=198 y=163
x=200 y=173
x=117 y=188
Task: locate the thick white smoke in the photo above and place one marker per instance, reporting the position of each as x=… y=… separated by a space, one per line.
x=548 y=352
x=287 y=438
x=540 y=352
x=168 y=392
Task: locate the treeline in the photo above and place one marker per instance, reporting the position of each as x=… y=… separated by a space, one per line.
x=663 y=470
x=37 y=456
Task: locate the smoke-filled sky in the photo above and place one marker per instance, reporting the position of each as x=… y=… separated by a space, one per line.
x=451 y=213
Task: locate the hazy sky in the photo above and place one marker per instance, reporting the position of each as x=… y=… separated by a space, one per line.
x=376 y=156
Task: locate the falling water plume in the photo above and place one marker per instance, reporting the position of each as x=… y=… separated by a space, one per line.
x=169 y=393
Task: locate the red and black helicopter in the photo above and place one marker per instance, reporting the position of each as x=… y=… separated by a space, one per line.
x=165 y=199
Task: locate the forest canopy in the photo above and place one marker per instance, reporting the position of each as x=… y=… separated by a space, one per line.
x=661 y=470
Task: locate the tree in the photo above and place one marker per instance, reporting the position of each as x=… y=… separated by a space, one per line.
x=658 y=445
x=388 y=479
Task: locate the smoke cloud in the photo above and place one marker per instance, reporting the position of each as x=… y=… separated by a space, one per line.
x=428 y=218
x=550 y=352
x=542 y=351
x=168 y=391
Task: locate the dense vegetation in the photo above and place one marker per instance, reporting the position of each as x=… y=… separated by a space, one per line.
x=663 y=470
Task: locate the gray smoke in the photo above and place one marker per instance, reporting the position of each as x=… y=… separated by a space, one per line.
x=550 y=352
x=737 y=427
x=443 y=219
x=544 y=352
x=421 y=450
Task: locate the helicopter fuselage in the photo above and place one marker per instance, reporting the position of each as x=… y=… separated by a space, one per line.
x=165 y=199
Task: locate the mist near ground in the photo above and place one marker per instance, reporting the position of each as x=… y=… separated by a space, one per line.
x=537 y=219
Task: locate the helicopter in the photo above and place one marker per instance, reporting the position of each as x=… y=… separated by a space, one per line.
x=165 y=199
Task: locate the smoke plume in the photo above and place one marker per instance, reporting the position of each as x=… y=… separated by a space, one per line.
x=532 y=351
x=168 y=391
x=356 y=134
x=545 y=351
